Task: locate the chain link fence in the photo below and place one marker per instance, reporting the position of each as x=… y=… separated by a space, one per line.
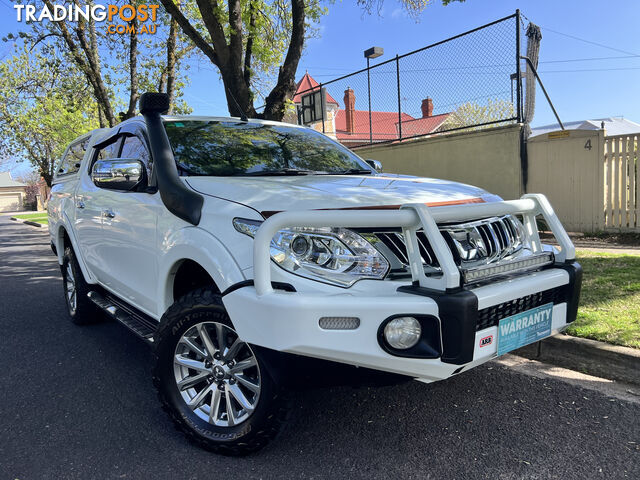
x=468 y=81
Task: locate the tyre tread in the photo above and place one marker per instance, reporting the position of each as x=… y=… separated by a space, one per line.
x=205 y=297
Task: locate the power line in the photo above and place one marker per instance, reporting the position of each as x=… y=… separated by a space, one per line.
x=591 y=42
x=591 y=70
x=617 y=57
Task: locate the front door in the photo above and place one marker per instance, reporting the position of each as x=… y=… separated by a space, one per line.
x=89 y=205
x=129 y=246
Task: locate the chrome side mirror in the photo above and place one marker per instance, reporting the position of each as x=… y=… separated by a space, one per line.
x=375 y=164
x=119 y=174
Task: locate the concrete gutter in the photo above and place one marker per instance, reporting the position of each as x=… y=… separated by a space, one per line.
x=621 y=364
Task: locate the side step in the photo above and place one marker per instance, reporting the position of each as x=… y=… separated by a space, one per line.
x=136 y=321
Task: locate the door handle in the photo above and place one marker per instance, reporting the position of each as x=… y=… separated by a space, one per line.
x=80 y=204
x=108 y=213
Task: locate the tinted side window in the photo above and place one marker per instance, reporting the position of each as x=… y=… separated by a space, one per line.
x=71 y=161
x=134 y=148
x=109 y=151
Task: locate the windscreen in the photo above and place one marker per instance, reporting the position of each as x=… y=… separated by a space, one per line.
x=225 y=148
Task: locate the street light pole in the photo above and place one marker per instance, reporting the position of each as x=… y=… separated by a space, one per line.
x=369 y=96
x=373 y=52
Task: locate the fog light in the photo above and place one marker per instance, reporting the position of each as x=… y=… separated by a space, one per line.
x=402 y=332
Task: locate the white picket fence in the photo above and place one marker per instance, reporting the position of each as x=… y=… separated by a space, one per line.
x=621 y=183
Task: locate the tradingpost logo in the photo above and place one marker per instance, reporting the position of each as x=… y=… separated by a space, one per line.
x=137 y=19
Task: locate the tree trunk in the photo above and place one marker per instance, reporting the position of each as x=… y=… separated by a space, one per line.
x=47 y=176
x=285 y=88
x=88 y=61
x=133 y=70
x=170 y=70
x=235 y=69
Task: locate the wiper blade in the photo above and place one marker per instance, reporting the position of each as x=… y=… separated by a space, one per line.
x=281 y=172
x=355 y=171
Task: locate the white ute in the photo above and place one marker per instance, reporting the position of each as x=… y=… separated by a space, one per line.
x=258 y=256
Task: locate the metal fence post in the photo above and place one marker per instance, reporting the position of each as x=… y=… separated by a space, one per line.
x=369 y=95
x=322 y=107
x=518 y=73
x=399 y=104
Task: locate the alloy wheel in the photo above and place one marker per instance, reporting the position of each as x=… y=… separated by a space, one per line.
x=70 y=287
x=217 y=374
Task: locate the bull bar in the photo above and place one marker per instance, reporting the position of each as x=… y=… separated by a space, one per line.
x=411 y=217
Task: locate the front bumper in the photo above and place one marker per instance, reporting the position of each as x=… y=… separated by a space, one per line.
x=289 y=321
x=460 y=320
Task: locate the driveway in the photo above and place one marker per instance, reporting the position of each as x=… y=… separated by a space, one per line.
x=77 y=402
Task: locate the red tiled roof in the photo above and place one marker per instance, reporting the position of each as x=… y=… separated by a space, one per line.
x=383 y=125
x=307 y=83
x=424 y=125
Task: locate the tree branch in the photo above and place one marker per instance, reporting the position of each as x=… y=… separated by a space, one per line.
x=249 y=47
x=93 y=71
x=216 y=31
x=133 y=70
x=235 y=35
x=191 y=32
x=275 y=101
x=170 y=71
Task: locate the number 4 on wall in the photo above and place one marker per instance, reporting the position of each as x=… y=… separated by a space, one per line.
x=588 y=145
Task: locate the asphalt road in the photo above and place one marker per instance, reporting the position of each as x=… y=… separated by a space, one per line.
x=77 y=402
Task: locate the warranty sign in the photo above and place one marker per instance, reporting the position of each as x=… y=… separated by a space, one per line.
x=524 y=328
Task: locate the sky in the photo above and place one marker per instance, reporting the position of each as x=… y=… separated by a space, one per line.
x=584 y=80
x=589 y=55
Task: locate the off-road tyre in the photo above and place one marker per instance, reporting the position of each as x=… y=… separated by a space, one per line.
x=84 y=312
x=271 y=411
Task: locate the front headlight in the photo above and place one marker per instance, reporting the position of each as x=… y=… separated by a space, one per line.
x=333 y=255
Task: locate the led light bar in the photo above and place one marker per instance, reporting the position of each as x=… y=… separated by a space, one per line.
x=483 y=273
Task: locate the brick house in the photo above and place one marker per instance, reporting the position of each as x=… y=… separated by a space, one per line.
x=351 y=127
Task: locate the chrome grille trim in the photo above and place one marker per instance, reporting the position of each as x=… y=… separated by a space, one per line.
x=499 y=235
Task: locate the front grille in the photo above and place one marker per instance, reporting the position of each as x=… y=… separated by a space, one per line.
x=395 y=242
x=490 y=316
x=499 y=236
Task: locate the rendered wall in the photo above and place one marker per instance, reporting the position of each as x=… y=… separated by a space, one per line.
x=489 y=159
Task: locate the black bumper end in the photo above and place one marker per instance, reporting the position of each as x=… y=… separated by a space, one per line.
x=574 y=269
x=458 y=312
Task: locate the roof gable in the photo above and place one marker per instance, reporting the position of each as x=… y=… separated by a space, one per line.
x=7 y=181
x=307 y=83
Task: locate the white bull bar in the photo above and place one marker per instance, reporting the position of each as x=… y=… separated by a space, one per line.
x=411 y=217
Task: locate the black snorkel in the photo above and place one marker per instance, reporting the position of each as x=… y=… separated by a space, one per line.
x=179 y=200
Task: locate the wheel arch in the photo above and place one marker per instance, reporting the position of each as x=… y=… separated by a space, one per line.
x=65 y=238
x=194 y=253
x=62 y=239
x=189 y=275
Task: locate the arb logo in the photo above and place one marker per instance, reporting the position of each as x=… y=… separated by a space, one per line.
x=488 y=340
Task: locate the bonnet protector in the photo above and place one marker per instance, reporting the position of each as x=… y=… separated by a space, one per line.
x=179 y=200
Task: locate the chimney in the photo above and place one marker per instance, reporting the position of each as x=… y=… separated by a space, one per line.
x=349 y=108
x=427 y=107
